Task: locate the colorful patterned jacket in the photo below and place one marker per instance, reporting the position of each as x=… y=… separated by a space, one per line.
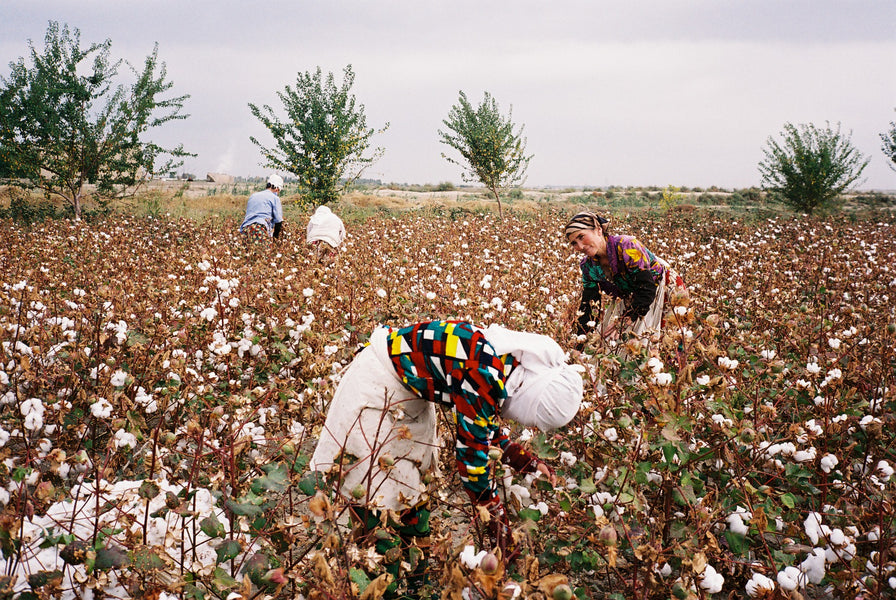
x=451 y=362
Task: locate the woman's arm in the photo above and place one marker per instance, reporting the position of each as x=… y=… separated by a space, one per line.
x=589 y=294
x=643 y=294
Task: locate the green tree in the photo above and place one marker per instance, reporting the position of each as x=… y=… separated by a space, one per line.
x=810 y=167
x=324 y=137
x=493 y=153
x=889 y=144
x=65 y=124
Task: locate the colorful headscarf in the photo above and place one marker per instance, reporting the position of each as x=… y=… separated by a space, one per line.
x=583 y=221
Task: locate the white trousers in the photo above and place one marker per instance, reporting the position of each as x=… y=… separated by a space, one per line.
x=374 y=417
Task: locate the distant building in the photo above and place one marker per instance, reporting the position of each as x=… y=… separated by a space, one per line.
x=219 y=178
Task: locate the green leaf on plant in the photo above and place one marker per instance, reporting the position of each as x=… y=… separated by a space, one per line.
x=311 y=482
x=109 y=558
x=223 y=580
x=530 y=513
x=543 y=448
x=148 y=490
x=228 y=550
x=147 y=559
x=244 y=509
x=359 y=578
x=587 y=486
x=275 y=480
x=788 y=500
x=737 y=543
x=212 y=527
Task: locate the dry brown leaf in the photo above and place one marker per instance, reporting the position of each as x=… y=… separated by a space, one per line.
x=322 y=569
x=531 y=568
x=547 y=583
x=377 y=587
x=320 y=505
x=455 y=585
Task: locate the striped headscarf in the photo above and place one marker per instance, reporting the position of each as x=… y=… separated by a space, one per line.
x=582 y=221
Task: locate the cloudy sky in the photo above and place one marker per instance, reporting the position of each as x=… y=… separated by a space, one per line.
x=654 y=92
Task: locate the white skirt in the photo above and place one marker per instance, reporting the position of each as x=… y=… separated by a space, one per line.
x=372 y=417
x=653 y=319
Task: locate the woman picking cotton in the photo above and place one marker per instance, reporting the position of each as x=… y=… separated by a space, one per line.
x=637 y=281
x=380 y=440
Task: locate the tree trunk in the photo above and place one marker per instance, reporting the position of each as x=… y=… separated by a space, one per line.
x=498 y=198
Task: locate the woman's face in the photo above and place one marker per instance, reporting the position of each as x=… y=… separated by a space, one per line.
x=589 y=242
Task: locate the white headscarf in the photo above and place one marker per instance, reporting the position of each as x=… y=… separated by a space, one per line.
x=325 y=226
x=543 y=391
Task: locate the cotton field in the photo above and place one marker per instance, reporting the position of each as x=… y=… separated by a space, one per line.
x=162 y=386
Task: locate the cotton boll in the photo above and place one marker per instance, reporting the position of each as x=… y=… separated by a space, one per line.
x=736 y=522
x=828 y=462
x=812 y=525
x=470 y=558
x=568 y=458
x=813 y=565
x=790 y=578
x=759 y=583
x=711 y=581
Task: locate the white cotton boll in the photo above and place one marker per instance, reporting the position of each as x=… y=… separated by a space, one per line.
x=813 y=566
x=702 y=380
x=4 y=437
x=568 y=458
x=526 y=435
x=119 y=378
x=885 y=469
x=736 y=522
x=470 y=558
x=790 y=578
x=665 y=571
x=711 y=580
x=662 y=379
x=768 y=355
x=521 y=492
x=814 y=427
x=828 y=462
x=101 y=409
x=124 y=439
x=837 y=537
x=209 y=314
x=759 y=583
x=834 y=343
x=541 y=507
x=813 y=526
x=655 y=365
x=611 y=435
x=805 y=455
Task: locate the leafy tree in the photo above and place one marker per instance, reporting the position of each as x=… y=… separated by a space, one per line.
x=492 y=152
x=324 y=137
x=889 y=144
x=811 y=167
x=64 y=123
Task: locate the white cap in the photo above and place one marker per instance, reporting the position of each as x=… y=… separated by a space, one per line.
x=276 y=181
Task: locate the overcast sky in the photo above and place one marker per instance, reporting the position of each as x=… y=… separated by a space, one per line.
x=658 y=92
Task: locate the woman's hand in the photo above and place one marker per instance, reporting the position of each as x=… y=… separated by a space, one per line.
x=548 y=472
